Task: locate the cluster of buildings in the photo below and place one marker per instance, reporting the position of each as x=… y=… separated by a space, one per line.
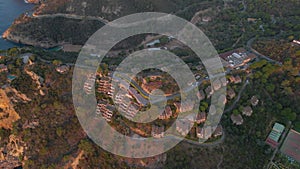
x=125 y=104
x=236 y=58
x=247 y=111
x=158 y=131
x=235 y=79
x=166 y=114
x=105 y=85
x=216 y=85
x=105 y=110
x=183 y=126
x=208 y=132
x=184 y=107
x=89 y=83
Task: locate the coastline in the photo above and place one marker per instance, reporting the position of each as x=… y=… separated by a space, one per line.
x=32 y=1
x=9 y=35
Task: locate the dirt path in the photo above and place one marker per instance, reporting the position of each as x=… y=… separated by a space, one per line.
x=238 y=97
x=196 y=17
x=76 y=160
x=35 y=78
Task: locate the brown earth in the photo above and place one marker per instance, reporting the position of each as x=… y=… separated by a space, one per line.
x=7 y=113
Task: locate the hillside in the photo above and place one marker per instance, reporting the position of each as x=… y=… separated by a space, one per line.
x=7 y=113
x=59 y=22
x=228 y=24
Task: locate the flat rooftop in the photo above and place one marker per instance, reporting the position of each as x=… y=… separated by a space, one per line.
x=275 y=134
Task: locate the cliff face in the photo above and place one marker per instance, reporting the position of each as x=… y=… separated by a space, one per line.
x=33 y=1
x=18 y=37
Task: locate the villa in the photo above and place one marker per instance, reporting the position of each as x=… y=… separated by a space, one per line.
x=222 y=99
x=209 y=91
x=217 y=85
x=235 y=80
x=201 y=95
x=224 y=81
x=200 y=118
x=218 y=131
x=204 y=133
x=212 y=110
x=237 y=119
x=183 y=126
x=3 y=68
x=254 y=100
x=62 y=69
x=166 y=114
x=184 y=107
x=247 y=111
x=230 y=93
x=157 y=131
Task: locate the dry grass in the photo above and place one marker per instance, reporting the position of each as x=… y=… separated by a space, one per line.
x=7 y=113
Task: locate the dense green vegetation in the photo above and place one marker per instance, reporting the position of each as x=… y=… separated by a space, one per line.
x=59 y=137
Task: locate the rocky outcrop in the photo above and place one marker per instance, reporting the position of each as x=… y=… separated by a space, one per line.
x=16 y=96
x=37 y=79
x=7 y=113
x=10 y=154
x=16 y=37
x=48 y=32
x=33 y=1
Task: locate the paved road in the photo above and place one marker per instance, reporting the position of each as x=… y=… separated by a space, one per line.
x=238 y=97
x=191 y=6
x=249 y=46
x=210 y=144
x=146 y=95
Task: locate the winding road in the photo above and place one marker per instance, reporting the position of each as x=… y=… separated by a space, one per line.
x=249 y=46
x=238 y=97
